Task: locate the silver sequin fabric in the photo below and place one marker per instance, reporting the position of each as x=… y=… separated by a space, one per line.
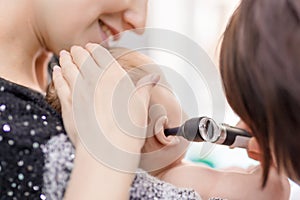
x=59 y=161
x=147 y=187
x=27 y=122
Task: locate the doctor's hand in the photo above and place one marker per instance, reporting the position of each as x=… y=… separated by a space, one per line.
x=253 y=149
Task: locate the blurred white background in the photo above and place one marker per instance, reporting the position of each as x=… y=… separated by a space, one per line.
x=204 y=22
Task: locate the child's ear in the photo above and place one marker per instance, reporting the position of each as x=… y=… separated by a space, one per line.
x=159 y=128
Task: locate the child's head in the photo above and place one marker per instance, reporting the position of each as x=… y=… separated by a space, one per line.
x=61 y=24
x=165 y=111
x=260 y=67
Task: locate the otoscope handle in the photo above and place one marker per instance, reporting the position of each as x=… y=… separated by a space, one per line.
x=219 y=134
x=235 y=137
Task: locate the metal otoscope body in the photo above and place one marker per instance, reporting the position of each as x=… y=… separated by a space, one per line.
x=204 y=129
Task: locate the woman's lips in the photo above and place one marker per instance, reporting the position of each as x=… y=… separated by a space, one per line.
x=106 y=31
x=113 y=31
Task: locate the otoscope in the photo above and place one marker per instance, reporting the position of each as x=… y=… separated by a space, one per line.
x=204 y=129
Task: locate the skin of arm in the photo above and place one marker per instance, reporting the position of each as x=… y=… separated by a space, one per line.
x=84 y=182
x=229 y=184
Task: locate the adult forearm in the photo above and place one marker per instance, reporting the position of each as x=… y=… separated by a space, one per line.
x=91 y=179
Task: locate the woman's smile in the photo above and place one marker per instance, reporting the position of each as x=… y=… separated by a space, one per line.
x=107 y=31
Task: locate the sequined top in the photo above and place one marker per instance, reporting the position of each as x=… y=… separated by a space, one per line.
x=36 y=156
x=148 y=187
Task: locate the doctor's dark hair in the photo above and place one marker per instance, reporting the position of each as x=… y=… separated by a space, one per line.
x=260 y=68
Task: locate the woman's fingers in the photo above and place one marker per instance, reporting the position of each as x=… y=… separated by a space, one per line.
x=93 y=60
x=61 y=86
x=68 y=68
x=79 y=55
x=94 y=72
x=64 y=93
x=102 y=56
x=85 y=63
x=253 y=150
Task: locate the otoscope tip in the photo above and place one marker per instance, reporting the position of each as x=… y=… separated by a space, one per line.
x=171 y=131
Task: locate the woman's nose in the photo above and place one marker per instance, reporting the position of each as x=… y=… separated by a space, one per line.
x=136 y=15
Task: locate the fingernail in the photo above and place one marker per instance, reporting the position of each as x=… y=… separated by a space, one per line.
x=63 y=52
x=56 y=69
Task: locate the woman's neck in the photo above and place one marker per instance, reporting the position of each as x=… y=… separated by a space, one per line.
x=20 y=47
x=23 y=70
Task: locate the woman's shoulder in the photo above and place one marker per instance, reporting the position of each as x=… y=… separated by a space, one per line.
x=34 y=148
x=21 y=98
x=24 y=115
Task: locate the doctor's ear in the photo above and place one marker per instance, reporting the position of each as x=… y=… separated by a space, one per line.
x=159 y=127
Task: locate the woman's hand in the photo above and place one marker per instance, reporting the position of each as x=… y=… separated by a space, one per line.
x=93 y=79
x=253 y=149
x=96 y=97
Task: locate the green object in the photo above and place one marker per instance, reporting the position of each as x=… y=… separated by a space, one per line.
x=204 y=161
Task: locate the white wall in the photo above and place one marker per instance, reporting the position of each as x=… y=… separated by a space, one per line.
x=204 y=22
